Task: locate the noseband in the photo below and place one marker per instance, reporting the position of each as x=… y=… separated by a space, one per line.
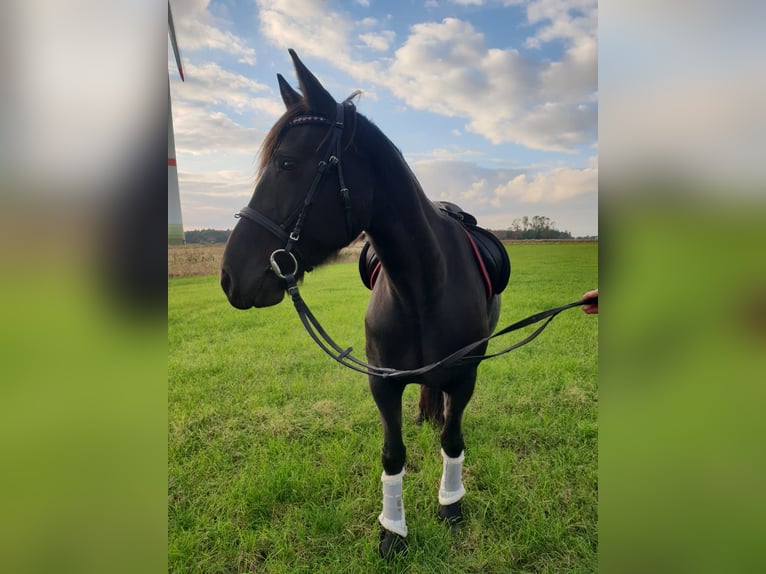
x=290 y=250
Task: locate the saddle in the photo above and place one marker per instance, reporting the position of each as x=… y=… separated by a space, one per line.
x=491 y=257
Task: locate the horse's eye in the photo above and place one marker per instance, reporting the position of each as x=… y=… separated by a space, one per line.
x=287 y=164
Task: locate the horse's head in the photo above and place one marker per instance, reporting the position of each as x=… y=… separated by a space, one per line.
x=313 y=196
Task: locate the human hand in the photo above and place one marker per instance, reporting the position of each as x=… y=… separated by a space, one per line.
x=591 y=308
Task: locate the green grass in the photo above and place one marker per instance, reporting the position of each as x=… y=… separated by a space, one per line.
x=274 y=449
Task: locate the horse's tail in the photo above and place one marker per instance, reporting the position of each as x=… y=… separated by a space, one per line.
x=431 y=406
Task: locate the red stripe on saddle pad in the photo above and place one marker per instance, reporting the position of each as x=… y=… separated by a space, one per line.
x=374 y=274
x=484 y=273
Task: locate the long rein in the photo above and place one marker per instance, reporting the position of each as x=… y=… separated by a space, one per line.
x=310 y=322
x=458 y=358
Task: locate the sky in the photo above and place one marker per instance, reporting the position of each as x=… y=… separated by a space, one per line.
x=493 y=103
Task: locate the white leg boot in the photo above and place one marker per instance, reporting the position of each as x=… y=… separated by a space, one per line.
x=451 y=489
x=392 y=517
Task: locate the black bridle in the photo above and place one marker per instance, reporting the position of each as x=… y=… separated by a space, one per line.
x=334 y=149
x=318 y=334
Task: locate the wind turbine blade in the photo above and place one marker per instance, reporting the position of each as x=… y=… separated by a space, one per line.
x=174 y=42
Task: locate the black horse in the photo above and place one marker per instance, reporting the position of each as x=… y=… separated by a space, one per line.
x=327 y=173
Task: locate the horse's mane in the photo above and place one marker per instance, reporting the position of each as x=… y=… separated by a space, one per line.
x=387 y=152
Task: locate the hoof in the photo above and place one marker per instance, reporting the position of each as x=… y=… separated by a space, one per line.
x=451 y=513
x=421 y=418
x=391 y=544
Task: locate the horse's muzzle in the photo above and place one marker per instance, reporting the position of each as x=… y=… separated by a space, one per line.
x=266 y=293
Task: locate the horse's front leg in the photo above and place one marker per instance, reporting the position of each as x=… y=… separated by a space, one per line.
x=451 y=490
x=388 y=397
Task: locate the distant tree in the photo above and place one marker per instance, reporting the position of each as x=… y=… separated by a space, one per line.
x=207 y=236
x=538 y=227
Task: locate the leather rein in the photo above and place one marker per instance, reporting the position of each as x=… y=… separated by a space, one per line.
x=461 y=357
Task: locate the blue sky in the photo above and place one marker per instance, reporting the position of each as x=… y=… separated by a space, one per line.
x=492 y=102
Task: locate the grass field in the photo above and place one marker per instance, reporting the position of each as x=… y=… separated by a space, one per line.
x=274 y=449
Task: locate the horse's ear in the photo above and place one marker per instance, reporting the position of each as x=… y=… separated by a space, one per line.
x=318 y=99
x=289 y=96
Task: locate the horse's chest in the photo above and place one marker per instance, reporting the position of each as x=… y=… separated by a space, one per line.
x=413 y=335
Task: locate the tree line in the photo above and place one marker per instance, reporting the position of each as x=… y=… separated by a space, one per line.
x=207 y=235
x=535 y=227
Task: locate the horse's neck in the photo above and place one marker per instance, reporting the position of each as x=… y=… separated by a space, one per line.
x=404 y=230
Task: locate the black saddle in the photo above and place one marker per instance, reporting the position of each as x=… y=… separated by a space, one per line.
x=492 y=257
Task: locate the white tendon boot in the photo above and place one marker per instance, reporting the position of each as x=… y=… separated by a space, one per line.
x=392 y=517
x=451 y=489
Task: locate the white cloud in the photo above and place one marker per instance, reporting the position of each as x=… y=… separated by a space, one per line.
x=567 y=195
x=212 y=198
x=200 y=132
x=380 y=41
x=555 y=127
x=452 y=153
x=554 y=186
x=209 y=84
x=505 y=96
x=478 y=188
x=216 y=184
x=311 y=28
x=467 y=2
x=196 y=28
x=448 y=68
x=307 y=26
x=217 y=163
x=447 y=178
x=567 y=19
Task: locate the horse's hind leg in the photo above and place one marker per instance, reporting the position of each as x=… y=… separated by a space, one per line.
x=388 y=397
x=451 y=489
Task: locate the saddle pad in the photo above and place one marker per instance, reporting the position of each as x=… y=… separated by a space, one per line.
x=493 y=257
